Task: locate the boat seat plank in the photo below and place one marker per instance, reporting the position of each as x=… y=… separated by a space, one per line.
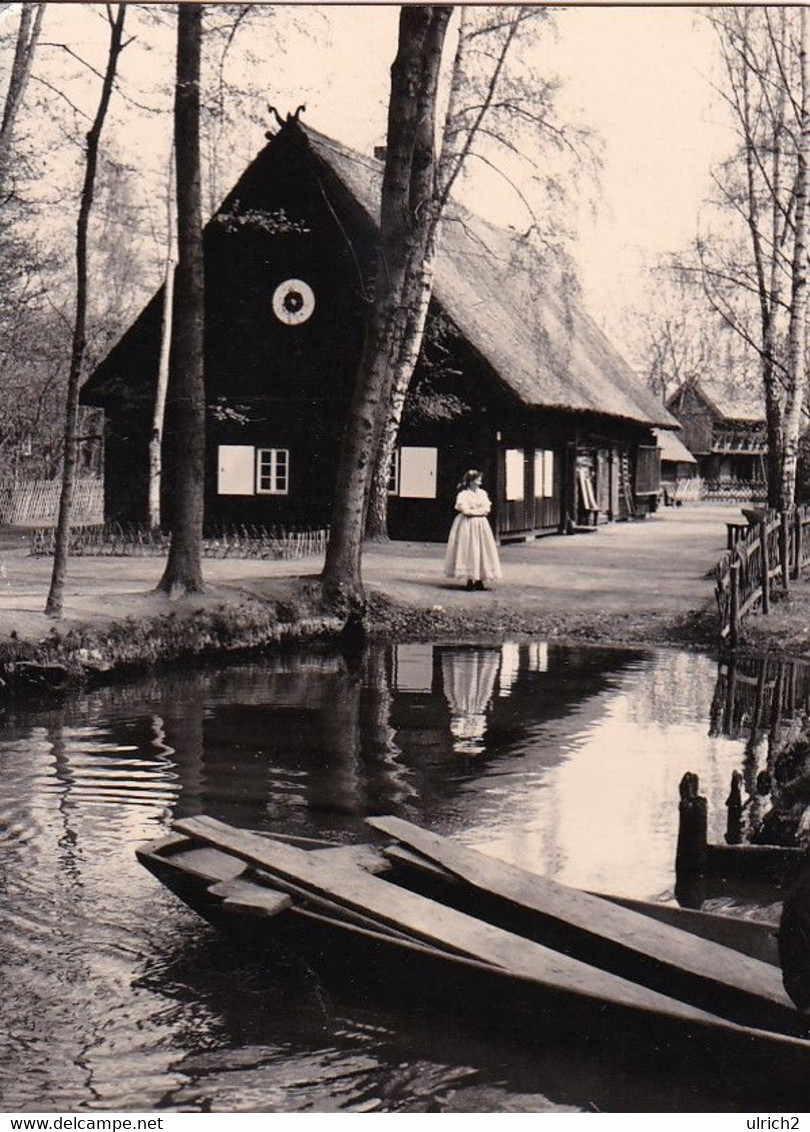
x=247 y=896
x=439 y=925
x=334 y=911
x=594 y=915
x=203 y=861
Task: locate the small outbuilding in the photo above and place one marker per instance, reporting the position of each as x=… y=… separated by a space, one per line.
x=724 y=429
x=514 y=377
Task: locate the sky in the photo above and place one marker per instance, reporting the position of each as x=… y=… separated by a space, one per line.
x=643 y=78
x=639 y=77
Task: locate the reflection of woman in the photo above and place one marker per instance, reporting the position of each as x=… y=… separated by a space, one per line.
x=471 y=549
x=469 y=678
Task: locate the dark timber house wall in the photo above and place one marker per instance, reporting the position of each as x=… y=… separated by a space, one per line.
x=520 y=383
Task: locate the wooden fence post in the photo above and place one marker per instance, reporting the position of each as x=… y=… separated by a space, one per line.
x=734 y=618
x=765 y=582
x=690 y=858
x=797 y=543
x=784 y=547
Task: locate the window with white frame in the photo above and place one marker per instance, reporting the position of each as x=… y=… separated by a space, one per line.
x=393 y=473
x=272 y=471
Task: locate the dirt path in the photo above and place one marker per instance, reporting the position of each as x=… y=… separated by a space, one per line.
x=619 y=581
x=657 y=565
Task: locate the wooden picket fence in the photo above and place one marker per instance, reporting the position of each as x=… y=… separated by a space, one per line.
x=695 y=489
x=772 y=551
x=37 y=501
x=733 y=491
x=114 y=540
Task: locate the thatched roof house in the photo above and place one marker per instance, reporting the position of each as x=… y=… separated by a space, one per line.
x=533 y=392
x=724 y=429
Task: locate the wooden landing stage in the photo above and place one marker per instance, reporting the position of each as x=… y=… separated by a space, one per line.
x=429 y=917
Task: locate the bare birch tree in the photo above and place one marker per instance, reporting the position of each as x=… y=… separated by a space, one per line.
x=53 y=606
x=403 y=285
x=797 y=332
x=744 y=263
x=159 y=407
x=497 y=115
x=31 y=16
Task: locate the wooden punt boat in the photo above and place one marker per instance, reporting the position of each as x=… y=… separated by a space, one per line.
x=419 y=915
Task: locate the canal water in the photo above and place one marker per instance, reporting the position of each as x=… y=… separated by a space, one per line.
x=566 y=761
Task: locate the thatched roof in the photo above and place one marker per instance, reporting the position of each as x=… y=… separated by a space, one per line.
x=727 y=400
x=513 y=309
x=673 y=448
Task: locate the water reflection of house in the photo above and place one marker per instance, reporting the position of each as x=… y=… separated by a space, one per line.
x=269 y=744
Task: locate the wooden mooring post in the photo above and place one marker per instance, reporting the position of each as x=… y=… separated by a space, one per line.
x=690 y=858
x=766 y=566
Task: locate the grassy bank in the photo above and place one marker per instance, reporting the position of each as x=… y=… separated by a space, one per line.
x=231 y=624
x=627 y=584
x=583 y=626
x=785 y=631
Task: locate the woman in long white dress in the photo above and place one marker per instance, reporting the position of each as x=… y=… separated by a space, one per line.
x=471 y=549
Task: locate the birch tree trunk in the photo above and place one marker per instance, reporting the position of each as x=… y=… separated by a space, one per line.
x=27 y=35
x=774 y=395
x=760 y=65
x=53 y=606
x=159 y=411
x=457 y=141
x=187 y=385
x=405 y=223
x=797 y=360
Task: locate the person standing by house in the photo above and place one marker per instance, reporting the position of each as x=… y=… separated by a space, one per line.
x=471 y=549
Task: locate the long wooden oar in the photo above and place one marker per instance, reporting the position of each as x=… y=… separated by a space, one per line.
x=674 y=961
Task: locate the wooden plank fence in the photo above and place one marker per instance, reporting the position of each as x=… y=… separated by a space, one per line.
x=772 y=551
x=37 y=501
x=116 y=541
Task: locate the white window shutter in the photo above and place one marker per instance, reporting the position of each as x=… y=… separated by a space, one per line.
x=237 y=469
x=417 y=473
x=548 y=474
x=539 y=472
x=515 y=475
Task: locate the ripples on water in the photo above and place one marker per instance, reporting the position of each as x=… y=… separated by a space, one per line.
x=117 y=997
